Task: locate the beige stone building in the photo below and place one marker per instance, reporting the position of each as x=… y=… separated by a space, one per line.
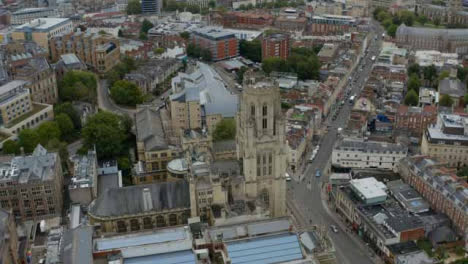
x=41 y=30
x=32 y=185
x=200 y=100
x=42 y=81
x=447 y=140
x=17 y=111
x=100 y=51
x=153 y=147
x=252 y=181
x=9 y=240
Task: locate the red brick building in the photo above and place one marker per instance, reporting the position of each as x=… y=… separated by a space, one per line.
x=415 y=119
x=222 y=44
x=246 y=19
x=276 y=45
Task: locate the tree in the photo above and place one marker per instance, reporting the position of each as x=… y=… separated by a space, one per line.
x=240 y=74
x=133 y=7
x=28 y=139
x=430 y=73
x=383 y=15
x=414 y=83
x=126 y=93
x=65 y=124
x=391 y=31
x=443 y=75
x=78 y=86
x=67 y=108
x=106 y=131
x=212 y=4
x=120 y=33
x=205 y=54
x=11 y=147
x=414 y=69
x=47 y=131
x=411 y=98
x=407 y=17
x=158 y=51
x=225 y=130
x=143 y=36
x=422 y=19
x=185 y=35
x=462 y=73
x=446 y=100
x=437 y=21
x=387 y=23
x=146 y=25
x=251 y=50
x=272 y=64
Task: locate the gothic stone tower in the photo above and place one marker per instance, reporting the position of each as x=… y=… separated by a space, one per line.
x=261 y=142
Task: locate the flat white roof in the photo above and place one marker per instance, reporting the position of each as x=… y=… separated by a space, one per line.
x=369 y=188
x=43 y=23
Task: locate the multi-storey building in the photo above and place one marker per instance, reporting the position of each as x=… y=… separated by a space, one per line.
x=447 y=140
x=415 y=119
x=153 y=148
x=246 y=19
x=9 y=251
x=151 y=6
x=32 y=185
x=83 y=185
x=440 y=186
x=353 y=153
x=17 y=111
x=25 y=15
x=331 y=24
x=41 y=79
x=443 y=40
x=99 y=51
x=222 y=44
x=276 y=45
x=41 y=30
x=289 y=23
x=200 y=100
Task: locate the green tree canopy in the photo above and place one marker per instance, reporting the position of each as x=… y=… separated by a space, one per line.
x=133 y=7
x=143 y=36
x=146 y=25
x=422 y=19
x=274 y=64
x=107 y=132
x=126 y=93
x=212 y=4
x=47 y=131
x=465 y=99
x=443 y=75
x=225 y=129
x=240 y=74
x=185 y=35
x=430 y=73
x=251 y=50
x=407 y=17
x=414 y=69
x=126 y=65
x=78 y=86
x=411 y=98
x=11 y=147
x=67 y=108
x=28 y=139
x=158 y=51
x=462 y=73
x=414 y=83
x=391 y=31
x=446 y=100
x=65 y=124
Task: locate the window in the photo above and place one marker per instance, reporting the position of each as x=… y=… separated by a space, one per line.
x=264 y=123
x=160 y=221
x=147 y=223
x=134 y=225
x=121 y=227
x=252 y=110
x=264 y=110
x=172 y=219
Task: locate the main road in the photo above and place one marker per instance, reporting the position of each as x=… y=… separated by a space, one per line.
x=306 y=192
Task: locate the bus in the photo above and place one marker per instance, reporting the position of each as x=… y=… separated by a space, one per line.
x=351 y=99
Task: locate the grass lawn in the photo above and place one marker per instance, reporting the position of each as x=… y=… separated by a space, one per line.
x=36 y=109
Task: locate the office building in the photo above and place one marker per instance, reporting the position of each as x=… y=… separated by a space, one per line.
x=354 y=153
x=41 y=30
x=415 y=120
x=276 y=45
x=221 y=44
x=17 y=111
x=447 y=140
x=32 y=186
x=151 y=6
x=331 y=24
x=25 y=15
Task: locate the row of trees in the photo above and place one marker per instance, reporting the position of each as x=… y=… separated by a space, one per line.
x=391 y=21
x=198 y=52
x=124 y=92
x=251 y=50
x=273 y=4
x=302 y=61
x=78 y=86
x=173 y=5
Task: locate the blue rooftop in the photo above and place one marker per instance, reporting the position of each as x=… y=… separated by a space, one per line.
x=265 y=250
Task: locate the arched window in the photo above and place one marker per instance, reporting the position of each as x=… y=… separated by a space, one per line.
x=264 y=110
x=252 y=110
x=121 y=226
x=160 y=221
x=147 y=223
x=185 y=217
x=134 y=225
x=172 y=219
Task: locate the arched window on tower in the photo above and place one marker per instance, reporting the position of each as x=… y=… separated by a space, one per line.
x=265 y=197
x=252 y=110
x=265 y=110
